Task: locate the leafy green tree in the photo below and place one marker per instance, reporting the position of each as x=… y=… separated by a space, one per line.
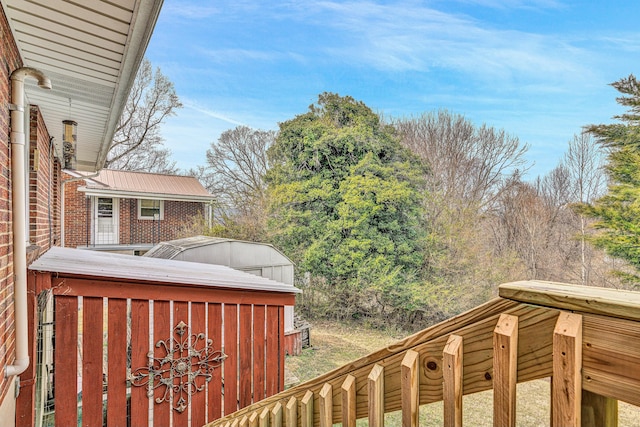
x=617 y=213
x=346 y=203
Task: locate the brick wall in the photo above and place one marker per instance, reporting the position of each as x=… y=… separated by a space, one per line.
x=76 y=211
x=149 y=231
x=131 y=229
x=44 y=170
x=9 y=61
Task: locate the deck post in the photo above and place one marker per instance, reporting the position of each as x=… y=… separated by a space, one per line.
x=349 y=401
x=410 y=384
x=376 y=396
x=566 y=384
x=291 y=413
x=598 y=410
x=505 y=371
x=306 y=409
x=326 y=405
x=452 y=387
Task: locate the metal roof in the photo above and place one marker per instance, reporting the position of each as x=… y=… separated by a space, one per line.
x=172 y=248
x=86 y=263
x=145 y=184
x=91 y=51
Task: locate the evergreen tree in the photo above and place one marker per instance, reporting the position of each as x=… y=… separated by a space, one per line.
x=346 y=205
x=617 y=213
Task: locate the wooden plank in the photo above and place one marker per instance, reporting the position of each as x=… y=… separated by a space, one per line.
x=326 y=405
x=244 y=353
x=452 y=385
x=264 y=418
x=231 y=362
x=259 y=345
x=586 y=299
x=375 y=383
x=139 y=359
x=253 y=420
x=281 y=348
x=66 y=361
x=610 y=358
x=598 y=411
x=273 y=357
x=117 y=362
x=410 y=383
x=244 y=422
x=180 y=314
x=505 y=371
x=276 y=415
x=306 y=409
x=348 y=392
x=161 y=331
x=214 y=392
x=74 y=286
x=92 y=345
x=566 y=385
x=291 y=413
x=198 y=398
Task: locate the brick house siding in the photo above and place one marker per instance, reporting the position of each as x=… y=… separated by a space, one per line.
x=9 y=61
x=44 y=178
x=140 y=231
x=131 y=230
x=76 y=214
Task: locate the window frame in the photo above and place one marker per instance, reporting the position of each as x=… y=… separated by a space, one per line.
x=151 y=218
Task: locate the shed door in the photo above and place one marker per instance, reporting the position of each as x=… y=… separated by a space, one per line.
x=106 y=221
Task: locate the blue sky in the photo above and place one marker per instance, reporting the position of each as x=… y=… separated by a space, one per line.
x=538 y=69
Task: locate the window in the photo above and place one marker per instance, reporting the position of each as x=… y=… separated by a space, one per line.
x=150 y=209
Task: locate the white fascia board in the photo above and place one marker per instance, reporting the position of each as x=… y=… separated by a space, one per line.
x=109 y=192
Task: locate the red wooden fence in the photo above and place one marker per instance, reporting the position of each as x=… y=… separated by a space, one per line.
x=129 y=333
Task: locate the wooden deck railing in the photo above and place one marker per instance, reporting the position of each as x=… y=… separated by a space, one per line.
x=586 y=339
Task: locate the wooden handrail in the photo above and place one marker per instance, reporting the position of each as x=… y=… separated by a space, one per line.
x=523 y=335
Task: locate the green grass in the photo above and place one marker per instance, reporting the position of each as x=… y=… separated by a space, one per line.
x=335 y=344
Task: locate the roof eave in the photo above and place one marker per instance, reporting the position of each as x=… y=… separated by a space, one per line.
x=111 y=192
x=142 y=25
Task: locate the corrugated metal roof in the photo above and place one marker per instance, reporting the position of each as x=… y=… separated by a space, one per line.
x=172 y=248
x=91 y=51
x=169 y=249
x=101 y=264
x=129 y=183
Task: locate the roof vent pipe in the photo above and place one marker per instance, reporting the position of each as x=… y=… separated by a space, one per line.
x=18 y=200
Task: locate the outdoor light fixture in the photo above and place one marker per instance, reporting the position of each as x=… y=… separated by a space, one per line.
x=69 y=139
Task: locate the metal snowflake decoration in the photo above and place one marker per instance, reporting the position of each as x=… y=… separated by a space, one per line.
x=185 y=369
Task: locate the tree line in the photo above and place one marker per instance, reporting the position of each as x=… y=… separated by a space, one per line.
x=410 y=220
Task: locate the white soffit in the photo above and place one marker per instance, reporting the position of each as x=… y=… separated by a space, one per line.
x=91 y=51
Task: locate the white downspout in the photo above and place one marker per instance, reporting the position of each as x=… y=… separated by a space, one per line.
x=18 y=200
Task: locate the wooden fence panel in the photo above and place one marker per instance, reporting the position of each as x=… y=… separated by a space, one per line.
x=161 y=331
x=198 y=399
x=244 y=351
x=180 y=315
x=231 y=362
x=214 y=391
x=259 y=319
x=92 y=345
x=273 y=362
x=139 y=358
x=66 y=361
x=117 y=362
x=135 y=327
